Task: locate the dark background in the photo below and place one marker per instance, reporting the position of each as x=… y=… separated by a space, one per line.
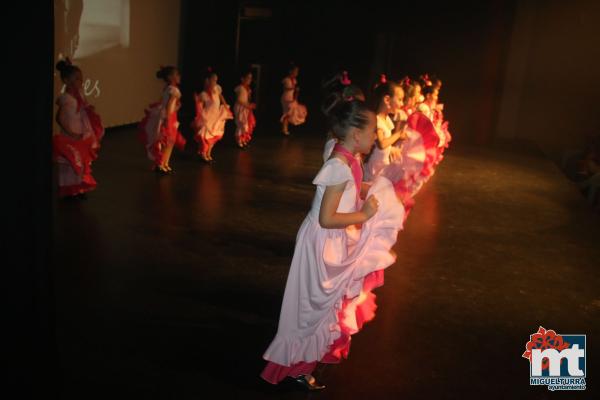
x=463 y=46
x=524 y=70
x=510 y=69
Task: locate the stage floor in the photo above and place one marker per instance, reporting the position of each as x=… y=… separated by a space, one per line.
x=170 y=287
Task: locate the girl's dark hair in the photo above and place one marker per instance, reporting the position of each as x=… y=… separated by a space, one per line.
x=345 y=93
x=66 y=69
x=428 y=90
x=210 y=72
x=381 y=80
x=351 y=92
x=425 y=80
x=291 y=66
x=165 y=72
x=333 y=89
x=332 y=83
x=409 y=90
x=385 y=89
x=345 y=114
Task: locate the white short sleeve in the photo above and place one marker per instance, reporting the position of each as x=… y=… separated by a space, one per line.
x=204 y=97
x=173 y=91
x=333 y=172
x=287 y=83
x=66 y=100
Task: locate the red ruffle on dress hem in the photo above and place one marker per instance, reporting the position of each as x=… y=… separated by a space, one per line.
x=363 y=309
x=448 y=139
x=419 y=122
x=200 y=122
x=147 y=138
x=168 y=133
x=275 y=373
x=95 y=122
x=359 y=310
x=87 y=184
x=79 y=154
x=247 y=136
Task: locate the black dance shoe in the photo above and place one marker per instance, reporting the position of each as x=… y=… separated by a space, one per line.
x=308 y=382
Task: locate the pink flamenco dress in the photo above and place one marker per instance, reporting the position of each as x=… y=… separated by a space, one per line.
x=379 y=158
x=74 y=156
x=443 y=127
x=245 y=120
x=328 y=295
x=157 y=130
x=422 y=124
x=295 y=112
x=411 y=162
x=211 y=116
x=418 y=157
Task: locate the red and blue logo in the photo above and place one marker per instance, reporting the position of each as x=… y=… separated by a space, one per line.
x=556 y=361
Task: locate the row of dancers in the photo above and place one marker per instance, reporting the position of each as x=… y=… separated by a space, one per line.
x=159 y=129
x=380 y=151
x=81 y=130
